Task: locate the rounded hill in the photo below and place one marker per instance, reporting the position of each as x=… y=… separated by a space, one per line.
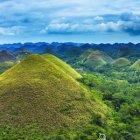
x=93 y=58
x=120 y=62
x=37 y=91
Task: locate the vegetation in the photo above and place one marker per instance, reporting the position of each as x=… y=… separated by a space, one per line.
x=38 y=92
x=136 y=65
x=6 y=56
x=44 y=98
x=120 y=62
x=93 y=58
x=5 y=66
x=66 y=68
x=123 y=98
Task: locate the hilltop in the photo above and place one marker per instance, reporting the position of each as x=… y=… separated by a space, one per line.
x=61 y=64
x=37 y=91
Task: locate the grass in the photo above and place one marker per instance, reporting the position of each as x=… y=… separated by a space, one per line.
x=37 y=91
x=136 y=65
x=65 y=67
x=93 y=58
x=120 y=62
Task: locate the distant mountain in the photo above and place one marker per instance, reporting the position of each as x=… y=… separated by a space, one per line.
x=41 y=91
x=115 y=50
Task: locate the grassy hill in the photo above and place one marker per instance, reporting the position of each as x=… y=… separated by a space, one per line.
x=37 y=91
x=6 y=56
x=93 y=58
x=120 y=62
x=136 y=65
x=65 y=67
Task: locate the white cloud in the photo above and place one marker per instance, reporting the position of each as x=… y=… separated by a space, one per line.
x=66 y=16
x=110 y=26
x=11 y=31
x=98 y=18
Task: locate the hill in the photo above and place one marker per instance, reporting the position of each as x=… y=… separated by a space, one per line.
x=61 y=64
x=21 y=54
x=120 y=62
x=37 y=91
x=6 y=56
x=136 y=65
x=93 y=58
x=6 y=65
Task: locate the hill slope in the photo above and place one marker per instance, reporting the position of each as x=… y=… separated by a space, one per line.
x=136 y=65
x=36 y=91
x=65 y=67
x=120 y=62
x=6 y=56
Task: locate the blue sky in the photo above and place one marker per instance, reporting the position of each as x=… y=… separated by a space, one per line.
x=105 y=21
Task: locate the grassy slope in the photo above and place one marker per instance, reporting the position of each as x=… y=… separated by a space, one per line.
x=37 y=91
x=65 y=67
x=121 y=62
x=136 y=65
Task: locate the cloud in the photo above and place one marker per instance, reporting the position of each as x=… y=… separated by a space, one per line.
x=45 y=17
x=98 y=18
x=125 y=22
x=11 y=31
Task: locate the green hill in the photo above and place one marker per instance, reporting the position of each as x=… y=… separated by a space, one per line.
x=93 y=58
x=136 y=65
x=65 y=67
x=6 y=56
x=37 y=91
x=120 y=62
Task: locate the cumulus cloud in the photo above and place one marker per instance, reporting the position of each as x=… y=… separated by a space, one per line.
x=126 y=22
x=68 y=17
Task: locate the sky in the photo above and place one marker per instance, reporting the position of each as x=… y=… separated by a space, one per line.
x=90 y=21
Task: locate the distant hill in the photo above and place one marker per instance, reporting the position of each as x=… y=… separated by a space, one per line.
x=136 y=65
x=40 y=91
x=120 y=62
x=21 y=54
x=69 y=49
x=6 y=56
x=94 y=58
